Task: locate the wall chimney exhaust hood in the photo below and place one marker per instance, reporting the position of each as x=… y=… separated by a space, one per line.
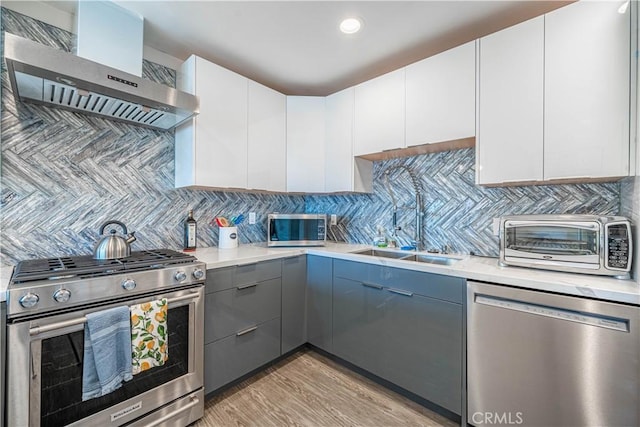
x=52 y=77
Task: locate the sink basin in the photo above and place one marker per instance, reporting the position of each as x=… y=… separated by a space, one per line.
x=383 y=254
x=404 y=256
x=432 y=259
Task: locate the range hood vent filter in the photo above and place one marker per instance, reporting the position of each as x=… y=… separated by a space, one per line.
x=52 y=77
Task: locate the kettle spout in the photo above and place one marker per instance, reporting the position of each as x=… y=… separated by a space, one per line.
x=131 y=238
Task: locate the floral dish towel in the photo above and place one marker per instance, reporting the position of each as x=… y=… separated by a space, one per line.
x=149 y=335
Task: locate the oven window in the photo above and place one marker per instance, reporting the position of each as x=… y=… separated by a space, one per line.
x=552 y=240
x=284 y=230
x=61 y=380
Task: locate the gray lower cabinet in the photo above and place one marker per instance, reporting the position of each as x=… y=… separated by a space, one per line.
x=320 y=301
x=231 y=357
x=392 y=325
x=242 y=320
x=294 y=313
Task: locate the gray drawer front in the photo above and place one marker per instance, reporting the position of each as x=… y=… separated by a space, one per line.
x=219 y=279
x=426 y=284
x=234 y=356
x=231 y=310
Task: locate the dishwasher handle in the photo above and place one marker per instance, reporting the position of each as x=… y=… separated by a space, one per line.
x=621 y=325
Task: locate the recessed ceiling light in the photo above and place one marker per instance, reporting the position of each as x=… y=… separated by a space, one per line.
x=350 y=25
x=623 y=8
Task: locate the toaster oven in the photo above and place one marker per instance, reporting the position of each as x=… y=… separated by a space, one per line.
x=589 y=244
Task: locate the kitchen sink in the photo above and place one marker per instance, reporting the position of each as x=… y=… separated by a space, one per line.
x=404 y=256
x=432 y=259
x=383 y=254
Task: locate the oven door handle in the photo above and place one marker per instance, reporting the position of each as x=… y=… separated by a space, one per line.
x=194 y=401
x=80 y=320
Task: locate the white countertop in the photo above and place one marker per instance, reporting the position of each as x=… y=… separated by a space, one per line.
x=469 y=267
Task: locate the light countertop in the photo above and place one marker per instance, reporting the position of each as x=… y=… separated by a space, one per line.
x=469 y=267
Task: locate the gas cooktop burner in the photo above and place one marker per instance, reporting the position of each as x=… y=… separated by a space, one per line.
x=86 y=266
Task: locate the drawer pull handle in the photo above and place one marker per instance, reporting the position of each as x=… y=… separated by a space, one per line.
x=401 y=292
x=372 y=285
x=247 y=286
x=246 y=331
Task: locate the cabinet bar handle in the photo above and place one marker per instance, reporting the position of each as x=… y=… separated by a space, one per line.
x=247 y=286
x=372 y=285
x=246 y=331
x=401 y=292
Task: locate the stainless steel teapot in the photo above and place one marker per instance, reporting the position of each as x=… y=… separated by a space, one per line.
x=113 y=246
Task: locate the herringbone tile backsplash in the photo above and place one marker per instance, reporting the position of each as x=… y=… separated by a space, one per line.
x=63 y=174
x=458 y=213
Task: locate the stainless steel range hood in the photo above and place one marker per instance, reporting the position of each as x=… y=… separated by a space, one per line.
x=52 y=77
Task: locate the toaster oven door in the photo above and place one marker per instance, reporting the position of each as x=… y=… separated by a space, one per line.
x=571 y=242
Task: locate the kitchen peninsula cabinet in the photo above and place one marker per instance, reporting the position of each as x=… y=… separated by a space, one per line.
x=242 y=320
x=211 y=149
x=379 y=114
x=403 y=326
x=320 y=302
x=554 y=98
x=441 y=97
x=294 y=313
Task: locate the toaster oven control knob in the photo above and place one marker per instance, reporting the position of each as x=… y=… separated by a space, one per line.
x=62 y=295
x=181 y=276
x=198 y=273
x=129 y=284
x=29 y=300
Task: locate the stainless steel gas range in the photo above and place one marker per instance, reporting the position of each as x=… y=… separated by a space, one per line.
x=47 y=304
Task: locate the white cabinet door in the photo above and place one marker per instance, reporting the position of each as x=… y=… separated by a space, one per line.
x=211 y=151
x=441 y=97
x=267 y=140
x=305 y=144
x=509 y=144
x=379 y=114
x=587 y=91
x=343 y=172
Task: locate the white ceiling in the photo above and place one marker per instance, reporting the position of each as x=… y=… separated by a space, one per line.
x=295 y=46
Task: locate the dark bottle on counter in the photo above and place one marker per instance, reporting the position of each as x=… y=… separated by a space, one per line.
x=190 y=231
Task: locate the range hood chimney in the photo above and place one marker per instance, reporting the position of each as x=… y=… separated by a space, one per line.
x=51 y=77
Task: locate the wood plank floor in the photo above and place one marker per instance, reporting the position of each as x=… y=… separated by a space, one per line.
x=307 y=389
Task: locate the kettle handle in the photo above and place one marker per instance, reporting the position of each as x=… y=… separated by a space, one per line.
x=103 y=226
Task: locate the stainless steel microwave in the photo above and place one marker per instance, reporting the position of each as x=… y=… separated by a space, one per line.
x=296 y=230
x=574 y=243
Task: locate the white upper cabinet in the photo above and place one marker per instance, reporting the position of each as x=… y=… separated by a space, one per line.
x=267 y=140
x=509 y=142
x=305 y=144
x=343 y=172
x=587 y=91
x=211 y=150
x=441 y=97
x=380 y=114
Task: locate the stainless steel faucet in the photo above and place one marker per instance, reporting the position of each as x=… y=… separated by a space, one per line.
x=417 y=237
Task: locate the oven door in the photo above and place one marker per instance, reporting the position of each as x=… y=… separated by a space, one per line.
x=578 y=243
x=45 y=368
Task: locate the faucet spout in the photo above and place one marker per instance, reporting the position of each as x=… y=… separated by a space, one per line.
x=417 y=241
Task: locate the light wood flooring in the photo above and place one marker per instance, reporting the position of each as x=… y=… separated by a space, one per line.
x=307 y=389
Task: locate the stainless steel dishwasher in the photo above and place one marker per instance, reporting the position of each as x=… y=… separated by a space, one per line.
x=542 y=359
